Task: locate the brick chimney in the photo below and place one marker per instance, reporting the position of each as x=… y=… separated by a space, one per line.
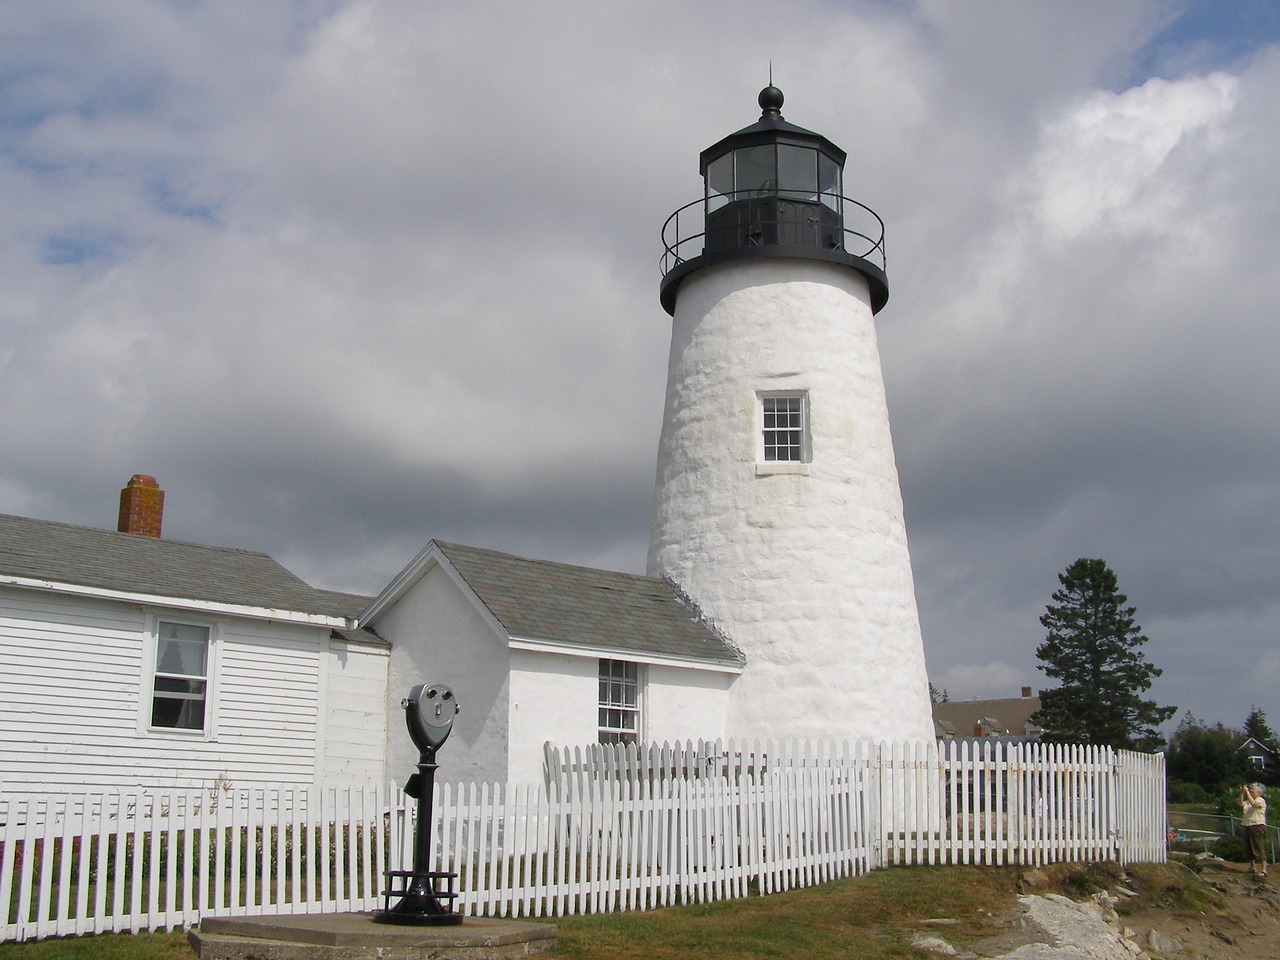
x=1026 y=693
x=141 y=506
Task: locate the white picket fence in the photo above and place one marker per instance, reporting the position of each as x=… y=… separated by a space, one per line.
x=613 y=828
x=956 y=802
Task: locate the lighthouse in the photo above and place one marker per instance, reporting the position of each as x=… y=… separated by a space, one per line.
x=777 y=509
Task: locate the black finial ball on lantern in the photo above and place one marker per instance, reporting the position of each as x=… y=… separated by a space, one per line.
x=770 y=101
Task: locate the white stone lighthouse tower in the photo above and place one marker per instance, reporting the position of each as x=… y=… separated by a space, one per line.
x=777 y=508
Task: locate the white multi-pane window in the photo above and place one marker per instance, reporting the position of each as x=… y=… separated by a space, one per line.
x=181 y=680
x=619 y=702
x=783 y=427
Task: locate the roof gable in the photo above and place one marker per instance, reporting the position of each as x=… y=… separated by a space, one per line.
x=124 y=563
x=1254 y=744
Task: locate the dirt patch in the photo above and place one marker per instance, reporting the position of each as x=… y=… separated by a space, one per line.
x=1227 y=913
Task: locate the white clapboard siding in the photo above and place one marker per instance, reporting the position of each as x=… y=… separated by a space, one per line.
x=355 y=715
x=615 y=828
x=72 y=679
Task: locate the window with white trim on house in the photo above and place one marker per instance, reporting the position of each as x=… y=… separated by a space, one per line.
x=784 y=432
x=181 y=681
x=619 y=716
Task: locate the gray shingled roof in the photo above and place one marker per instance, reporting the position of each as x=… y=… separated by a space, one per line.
x=558 y=602
x=1013 y=714
x=105 y=559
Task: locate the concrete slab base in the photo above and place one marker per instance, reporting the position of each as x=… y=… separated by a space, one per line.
x=354 y=936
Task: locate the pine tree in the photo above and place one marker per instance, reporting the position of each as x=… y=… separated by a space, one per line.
x=1255 y=725
x=1204 y=754
x=1092 y=648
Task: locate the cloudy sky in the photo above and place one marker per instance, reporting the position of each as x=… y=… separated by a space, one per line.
x=346 y=275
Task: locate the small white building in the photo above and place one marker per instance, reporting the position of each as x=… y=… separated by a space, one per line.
x=127 y=660
x=539 y=651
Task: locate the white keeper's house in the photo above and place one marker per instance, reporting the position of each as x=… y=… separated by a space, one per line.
x=779 y=600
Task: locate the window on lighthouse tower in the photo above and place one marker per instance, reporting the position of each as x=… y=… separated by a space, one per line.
x=784 y=433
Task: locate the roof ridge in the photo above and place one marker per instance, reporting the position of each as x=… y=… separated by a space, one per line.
x=100 y=559
x=445 y=546
x=134 y=537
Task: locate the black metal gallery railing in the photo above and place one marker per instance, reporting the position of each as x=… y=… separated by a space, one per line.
x=764 y=218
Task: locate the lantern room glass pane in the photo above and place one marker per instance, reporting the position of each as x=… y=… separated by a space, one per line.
x=829 y=181
x=719 y=181
x=797 y=172
x=756 y=170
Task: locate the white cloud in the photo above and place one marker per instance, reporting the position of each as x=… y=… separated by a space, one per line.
x=1105 y=167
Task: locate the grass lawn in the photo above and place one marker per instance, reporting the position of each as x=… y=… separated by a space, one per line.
x=872 y=916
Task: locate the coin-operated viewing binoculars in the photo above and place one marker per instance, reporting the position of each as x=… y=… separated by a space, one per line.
x=428 y=711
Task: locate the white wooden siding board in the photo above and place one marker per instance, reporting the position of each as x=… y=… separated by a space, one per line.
x=67 y=647
x=17 y=605
x=78 y=768
x=87 y=660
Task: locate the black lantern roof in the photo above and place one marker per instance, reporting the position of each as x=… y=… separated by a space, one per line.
x=770 y=128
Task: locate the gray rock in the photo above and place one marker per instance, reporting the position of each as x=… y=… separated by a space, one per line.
x=1164 y=944
x=933 y=945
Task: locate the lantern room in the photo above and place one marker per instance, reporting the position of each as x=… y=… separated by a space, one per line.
x=773 y=189
x=772 y=183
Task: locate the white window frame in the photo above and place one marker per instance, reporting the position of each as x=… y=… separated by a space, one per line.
x=805 y=450
x=610 y=708
x=146 y=698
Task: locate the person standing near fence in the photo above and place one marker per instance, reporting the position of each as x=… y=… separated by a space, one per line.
x=1254 y=818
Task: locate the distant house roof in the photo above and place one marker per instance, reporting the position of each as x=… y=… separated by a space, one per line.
x=542 y=603
x=1003 y=718
x=1252 y=746
x=96 y=562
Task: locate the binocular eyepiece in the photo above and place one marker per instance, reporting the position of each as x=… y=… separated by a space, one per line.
x=429 y=711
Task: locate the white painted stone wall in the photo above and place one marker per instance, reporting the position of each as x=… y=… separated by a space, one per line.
x=438 y=636
x=556 y=697
x=553 y=697
x=805 y=567
x=680 y=704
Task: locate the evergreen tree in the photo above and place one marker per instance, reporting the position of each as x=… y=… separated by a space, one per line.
x=1255 y=725
x=1204 y=755
x=1092 y=648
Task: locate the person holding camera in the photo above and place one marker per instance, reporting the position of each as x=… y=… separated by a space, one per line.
x=1253 y=806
